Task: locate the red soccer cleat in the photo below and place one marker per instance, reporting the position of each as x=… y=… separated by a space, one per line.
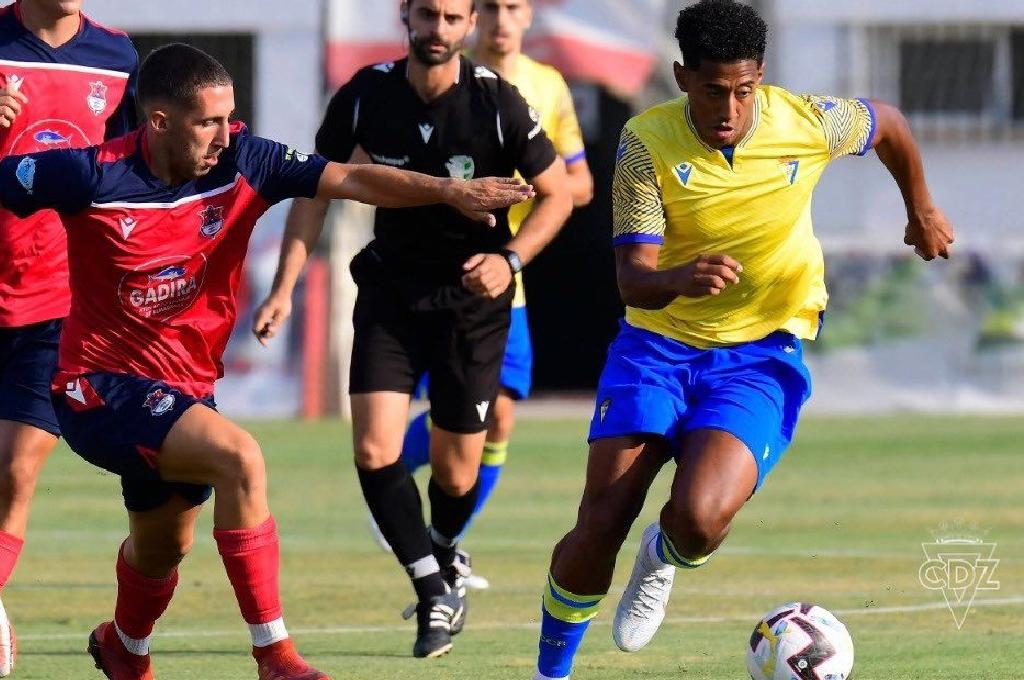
x=111 y=657
x=281 y=661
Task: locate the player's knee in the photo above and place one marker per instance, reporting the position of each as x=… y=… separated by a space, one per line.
x=242 y=462
x=696 y=526
x=18 y=474
x=372 y=454
x=455 y=482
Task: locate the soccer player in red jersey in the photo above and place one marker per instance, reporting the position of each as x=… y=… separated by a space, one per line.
x=65 y=82
x=158 y=223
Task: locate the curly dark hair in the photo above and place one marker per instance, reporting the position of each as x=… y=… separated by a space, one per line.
x=721 y=31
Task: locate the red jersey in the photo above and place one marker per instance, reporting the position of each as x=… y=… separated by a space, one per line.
x=154 y=269
x=79 y=94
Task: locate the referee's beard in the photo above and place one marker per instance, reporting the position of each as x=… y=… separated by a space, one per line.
x=420 y=49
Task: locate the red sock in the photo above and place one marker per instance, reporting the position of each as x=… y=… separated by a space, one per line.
x=141 y=600
x=251 y=558
x=10 y=550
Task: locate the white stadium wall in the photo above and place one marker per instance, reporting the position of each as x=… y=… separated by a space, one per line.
x=288 y=101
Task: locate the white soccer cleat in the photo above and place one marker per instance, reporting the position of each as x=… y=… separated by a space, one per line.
x=477 y=582
x=8 y=644
x=642 y=607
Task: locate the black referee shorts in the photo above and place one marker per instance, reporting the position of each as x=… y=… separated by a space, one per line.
x=462 y=347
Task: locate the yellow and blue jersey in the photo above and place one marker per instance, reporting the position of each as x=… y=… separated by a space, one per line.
x=672 y=189
x=546 y=91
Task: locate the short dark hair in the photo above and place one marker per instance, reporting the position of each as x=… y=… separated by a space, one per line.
x=472 y=5
x=176 y=72
x=721 y=31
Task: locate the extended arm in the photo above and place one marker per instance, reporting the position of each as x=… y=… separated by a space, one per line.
x=393 y=188
x=928 y=229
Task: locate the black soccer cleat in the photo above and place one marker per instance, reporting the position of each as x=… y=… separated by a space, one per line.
x=435 y=619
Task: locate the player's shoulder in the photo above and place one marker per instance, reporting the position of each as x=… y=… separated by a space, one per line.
x=372 y=76
x=546 y=74
x=782 y=106
x=111 y=46
x=664 y=120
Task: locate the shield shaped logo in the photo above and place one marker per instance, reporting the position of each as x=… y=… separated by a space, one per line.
x=213 y=220
x=461 y=167
x=97 y=98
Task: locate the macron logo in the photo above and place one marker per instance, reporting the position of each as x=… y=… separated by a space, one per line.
x=74 y=391
x=481 y=408
x=426 y=131
x=128 y=225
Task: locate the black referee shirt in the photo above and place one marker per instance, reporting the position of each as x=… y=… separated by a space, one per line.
x=481 y=127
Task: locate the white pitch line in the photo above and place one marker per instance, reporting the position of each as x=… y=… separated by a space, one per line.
x=496 y=625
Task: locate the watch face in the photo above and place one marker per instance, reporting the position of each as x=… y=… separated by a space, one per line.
x=514 y=261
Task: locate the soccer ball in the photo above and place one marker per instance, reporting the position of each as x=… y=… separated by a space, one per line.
x=800 y=641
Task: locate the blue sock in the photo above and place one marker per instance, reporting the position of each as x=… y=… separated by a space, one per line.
x=416 y=446
x=493 y=461
x=566 y=617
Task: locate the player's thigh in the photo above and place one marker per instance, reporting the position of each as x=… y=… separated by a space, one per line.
x=715 y=477
x=204 y=447
x=620 y=471
x=465 y=366
x=23 y=451
x=378 y=427
x=757 y=402
x=121 y=423
x=389 y=347
x=504 y=417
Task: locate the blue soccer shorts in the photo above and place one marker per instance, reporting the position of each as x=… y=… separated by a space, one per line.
x=656 y=385
x=517 y=367
x=119 y=423
x=28 y=359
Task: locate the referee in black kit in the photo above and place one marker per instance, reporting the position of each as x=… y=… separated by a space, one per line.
x=435 y=286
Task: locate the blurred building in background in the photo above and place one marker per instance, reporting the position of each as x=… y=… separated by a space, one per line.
x=898 y=334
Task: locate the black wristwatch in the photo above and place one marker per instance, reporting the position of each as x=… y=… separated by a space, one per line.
x=512 y=257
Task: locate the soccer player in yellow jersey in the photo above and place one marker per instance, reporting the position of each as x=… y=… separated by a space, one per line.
x=501 y=25
x=723 y=280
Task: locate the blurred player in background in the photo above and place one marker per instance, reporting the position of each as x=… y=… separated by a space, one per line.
x=435 y=290
x=67 y=82
x=501 y=25
x=158 y=225
x=723 y=279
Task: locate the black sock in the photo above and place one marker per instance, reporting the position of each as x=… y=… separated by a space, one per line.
x=448 y=518
x=394 y=502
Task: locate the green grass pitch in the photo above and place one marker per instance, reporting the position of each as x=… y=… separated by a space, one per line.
x=840 y=522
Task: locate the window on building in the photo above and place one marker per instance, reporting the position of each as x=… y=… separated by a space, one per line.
x=953 y=81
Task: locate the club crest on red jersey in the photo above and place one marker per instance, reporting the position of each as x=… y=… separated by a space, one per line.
x=213 y=220
x=163 y=288
x=159 y=402
x=97 y=97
